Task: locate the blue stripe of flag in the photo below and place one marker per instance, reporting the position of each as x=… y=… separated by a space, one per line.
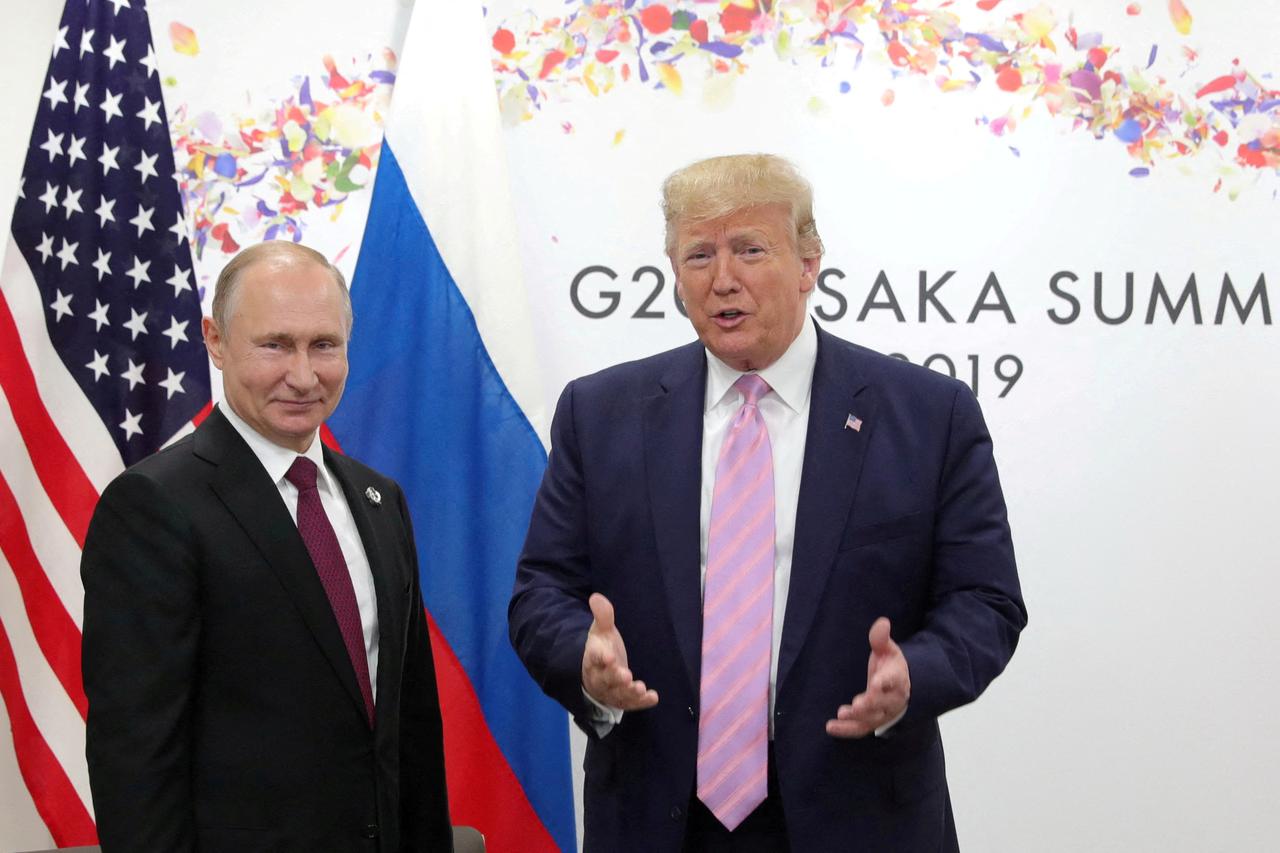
x=425 y=405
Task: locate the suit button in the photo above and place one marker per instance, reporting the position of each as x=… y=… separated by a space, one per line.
x=370 y=831
x=676 y=812
x=692 y=714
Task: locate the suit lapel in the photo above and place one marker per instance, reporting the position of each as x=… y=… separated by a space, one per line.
x=373 y=524
x=673 y=466
x=832 y=464
x=244 y=487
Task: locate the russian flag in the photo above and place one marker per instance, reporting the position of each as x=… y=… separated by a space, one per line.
x=443 y=395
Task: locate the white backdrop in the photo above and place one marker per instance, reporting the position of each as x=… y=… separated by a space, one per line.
x=1139 y=460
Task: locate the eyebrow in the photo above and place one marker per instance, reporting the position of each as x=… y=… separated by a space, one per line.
x=738 y=235
x=287 y=338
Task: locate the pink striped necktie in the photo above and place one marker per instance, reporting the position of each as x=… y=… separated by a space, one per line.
x=737 y=618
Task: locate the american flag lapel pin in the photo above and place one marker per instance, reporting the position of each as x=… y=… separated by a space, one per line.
x=853 y=422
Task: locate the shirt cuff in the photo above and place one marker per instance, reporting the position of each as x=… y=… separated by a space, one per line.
x=603 y=717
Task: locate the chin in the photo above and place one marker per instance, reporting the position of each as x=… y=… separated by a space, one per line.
x=294 y=430
x=732 y=352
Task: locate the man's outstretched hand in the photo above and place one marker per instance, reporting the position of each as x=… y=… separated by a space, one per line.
x=888 y=689
x=605 y=675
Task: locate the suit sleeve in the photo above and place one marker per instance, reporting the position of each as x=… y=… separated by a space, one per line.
x=976 y=610
x=424 y=799
x=549 y=616
x=141 y=633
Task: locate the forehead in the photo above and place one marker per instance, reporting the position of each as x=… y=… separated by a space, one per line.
x=288 y=292
x=770 y=220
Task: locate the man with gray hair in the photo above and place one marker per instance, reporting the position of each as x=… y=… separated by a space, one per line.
x=802 y=542
x=255 y=649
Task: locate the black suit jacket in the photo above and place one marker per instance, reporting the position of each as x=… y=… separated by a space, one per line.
x=223 y=708
x=902 y=517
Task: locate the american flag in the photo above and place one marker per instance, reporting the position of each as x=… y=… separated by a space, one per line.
x=101 y=363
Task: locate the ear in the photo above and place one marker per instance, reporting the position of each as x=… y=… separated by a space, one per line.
x=213 y=340
x=809 y=273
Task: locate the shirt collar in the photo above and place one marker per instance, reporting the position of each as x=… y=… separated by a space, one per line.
x=276 y=459
x=790 y=377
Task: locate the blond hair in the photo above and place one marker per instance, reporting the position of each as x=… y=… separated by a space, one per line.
x=719 y=186
x=281 y=253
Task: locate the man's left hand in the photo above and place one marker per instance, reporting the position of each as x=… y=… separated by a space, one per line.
x=888 y=689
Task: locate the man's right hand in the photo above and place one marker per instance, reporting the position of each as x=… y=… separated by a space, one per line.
x=605 y=676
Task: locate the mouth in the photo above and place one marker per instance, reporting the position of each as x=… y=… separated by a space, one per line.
x=728 y=318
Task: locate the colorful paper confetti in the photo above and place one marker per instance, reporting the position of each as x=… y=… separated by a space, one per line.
x=183 y=39
x=265 y=176
x=1038 y=58
x=1181 y=17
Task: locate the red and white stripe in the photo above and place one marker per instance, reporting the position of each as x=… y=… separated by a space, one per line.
x=56 y=456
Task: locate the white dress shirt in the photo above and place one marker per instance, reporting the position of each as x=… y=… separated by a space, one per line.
x=785 y=410
x=277 y=461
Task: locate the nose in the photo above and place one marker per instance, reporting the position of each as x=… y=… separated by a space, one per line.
x=301 y=375
x=723 y=280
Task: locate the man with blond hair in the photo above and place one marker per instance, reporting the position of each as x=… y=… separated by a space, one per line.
x=761 y=565
x=255 y=648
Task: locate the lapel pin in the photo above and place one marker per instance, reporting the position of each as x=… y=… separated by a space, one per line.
x=373 y=496
x=853 y=422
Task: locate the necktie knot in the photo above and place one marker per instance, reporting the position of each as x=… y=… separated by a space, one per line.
x=302 y=473
x=752 y=388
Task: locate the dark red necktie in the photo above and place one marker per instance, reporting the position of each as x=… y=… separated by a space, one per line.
x=331 y=566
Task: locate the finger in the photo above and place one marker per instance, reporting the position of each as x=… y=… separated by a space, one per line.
x=629 y=697
x=601 y=611
x=866 y=709
x=848 y=729
x=638 y=702
x=879 y=635
x=619 y=677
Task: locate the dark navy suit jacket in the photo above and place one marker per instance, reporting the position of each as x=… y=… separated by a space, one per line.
x=902 y=518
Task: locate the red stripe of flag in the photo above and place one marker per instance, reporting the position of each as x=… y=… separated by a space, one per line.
x=56 y=799
x=56 y=632
x=483 y=790
x=68 y=487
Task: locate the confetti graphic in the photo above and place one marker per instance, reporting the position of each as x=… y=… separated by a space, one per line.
x=184 y=39
x=265 y=176
x=1038 y=58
